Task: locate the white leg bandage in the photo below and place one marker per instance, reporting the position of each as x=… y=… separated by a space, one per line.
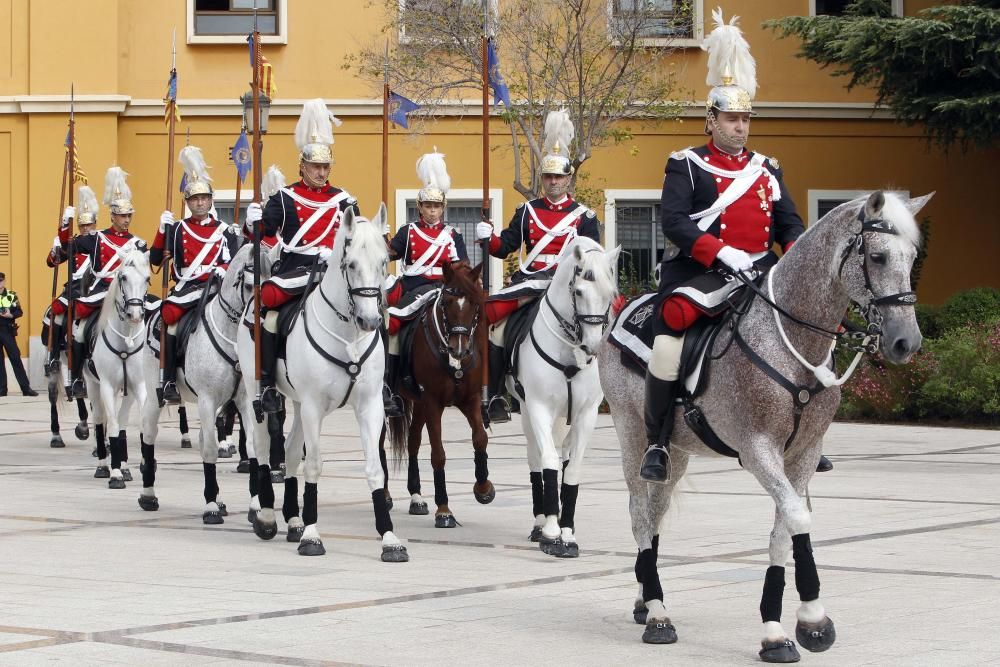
x=393 y=344
x=666 y=360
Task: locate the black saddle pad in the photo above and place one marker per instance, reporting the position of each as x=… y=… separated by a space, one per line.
x=518 y=325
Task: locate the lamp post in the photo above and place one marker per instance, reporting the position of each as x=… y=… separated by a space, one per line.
x=265 y=111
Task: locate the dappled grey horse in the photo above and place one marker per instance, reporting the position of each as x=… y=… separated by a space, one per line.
x=780 y=354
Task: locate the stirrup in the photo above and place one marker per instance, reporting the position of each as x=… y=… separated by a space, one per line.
x=270 y=400
x=51 y=366
x=655 y=464
x=499 y=410
x=170 y=394
x=78 y=388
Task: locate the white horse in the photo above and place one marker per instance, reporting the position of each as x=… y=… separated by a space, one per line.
x=771 y=396
x=210 y=378
x=335 y=358
x=558 y=387
x=119 y=336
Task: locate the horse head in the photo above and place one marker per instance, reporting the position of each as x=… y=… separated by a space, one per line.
x=584 y=285
x=875 y=269
x=459 y=308
x=360 y=253
x=127 y=294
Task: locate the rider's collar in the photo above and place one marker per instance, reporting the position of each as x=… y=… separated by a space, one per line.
x=560 y=205
x=322 y=188
x=424 y=223
x=740 y=157
x=111 y=231
x=207 y=220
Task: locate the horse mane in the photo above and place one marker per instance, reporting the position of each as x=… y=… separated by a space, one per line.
x=593 y=261
x=894 y=210
x=462 y=279
x=366 y=241
x=134 y=258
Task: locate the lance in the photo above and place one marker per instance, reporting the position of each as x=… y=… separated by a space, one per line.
x=258 y=227
x=239 y=188
x=51 y=342
x=169 y=206
x=70 y=293
x=485 y=243
x=385 y=127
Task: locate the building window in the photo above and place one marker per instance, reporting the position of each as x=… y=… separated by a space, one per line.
x=666 y=22
x=839 y=7
x=822 y=202
x=639 y=233
x=230 y=21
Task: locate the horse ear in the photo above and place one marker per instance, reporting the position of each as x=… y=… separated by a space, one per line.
x=477 y=271
x=382 y=218
x=348 y=220
x=612 y=258
x=914 y=205
x=873 y=207
x=577 y=252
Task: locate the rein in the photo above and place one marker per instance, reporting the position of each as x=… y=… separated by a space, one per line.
x=120 y=308
x=443 y=331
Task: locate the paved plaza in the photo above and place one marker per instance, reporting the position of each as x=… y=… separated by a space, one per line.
x=906 y=534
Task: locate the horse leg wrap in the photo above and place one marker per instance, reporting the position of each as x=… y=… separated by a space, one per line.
x=536 y=493
x=383 y=522
x=413 y=476
x=182 y=415
x=266 y=491
x=806 y=577
x=149 y=464
x=211 y=482
x=440 y=489
x=770 y=599
x=482 y=469
x=274 y=432
x=116 y=455
x=290 y=506
x=123 y=446
x=568 y=500
x=550 y=492
x=102 y=448
x=243 y=443
x=81 y=409
x=254 y=478
x=310 y=511
x=383 y=461
x=646 y=573
x=220 y=428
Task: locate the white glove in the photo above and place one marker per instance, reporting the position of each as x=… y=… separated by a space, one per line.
x=56 y=244
x=220 y=271
x=68 y=215
x=325 y=254
x=735 y=259
x=254 y=213
x=166 y=219
x=484 y=230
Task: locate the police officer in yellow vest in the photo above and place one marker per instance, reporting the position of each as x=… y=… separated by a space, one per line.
x=10 y=310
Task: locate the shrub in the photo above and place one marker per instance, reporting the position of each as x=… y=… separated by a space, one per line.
x=966 y=383
x=882 y=391
x=927 y=320
x=975 y=306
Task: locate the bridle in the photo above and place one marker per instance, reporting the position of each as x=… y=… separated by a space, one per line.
x=121 y=306
x=444 y=330
x=352 y=292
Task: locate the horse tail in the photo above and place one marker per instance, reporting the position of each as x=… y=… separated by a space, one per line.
x=399 y=433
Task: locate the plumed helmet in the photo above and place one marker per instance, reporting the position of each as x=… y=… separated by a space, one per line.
x=117 y=194
x=87 y=206
x=314 y=132
x=198 y=182
x=433 y=173
x=273 y=181
x=559 y=132
x=732 y=72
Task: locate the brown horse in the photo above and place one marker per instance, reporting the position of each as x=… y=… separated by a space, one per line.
x=446 y=358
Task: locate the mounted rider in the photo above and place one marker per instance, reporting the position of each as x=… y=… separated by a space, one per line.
x=423 y=248
x=106 y=249
x=201 y=247
x=723 y=207
x=544 y=227
x=306 y=216
x=86 y=224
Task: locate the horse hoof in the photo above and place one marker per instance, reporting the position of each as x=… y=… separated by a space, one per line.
x=659 y=632
x=779 y=651
x=243 y=466
x=126 y=474
x=536 y=534
x=639 y=615
x=102 y=472
x=388 y=503
x=816 y=638
x=569 y=550
x=263 y=530
x=212 y=518
x=554 y=547
x=149 y=503
x=395 y=554
x=232 y=450
x=445 y=521
x=224 y=453
x=185 y=442
x=277 y=477
x=295 y=533
x=222 y=509
x=485 y=498
x=311 y=548
x=252 y=515
x=93 y=452
x=82 y=432
x=116 y=483
x=57 y=442
x=419 y=509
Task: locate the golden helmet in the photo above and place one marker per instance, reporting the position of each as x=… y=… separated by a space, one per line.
x=732 y=71
x=433 y=173
x=198 y=182
x=117 y=194
x=314 y=132
x=87 y=206
x=559 y=133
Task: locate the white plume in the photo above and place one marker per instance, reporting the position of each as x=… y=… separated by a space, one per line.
x=87 y=200
x=115 y=186
x=315 y=125
x=433 y=172
x=559 y=131
x=729 y=55
x=194 y=164
x=273 y=181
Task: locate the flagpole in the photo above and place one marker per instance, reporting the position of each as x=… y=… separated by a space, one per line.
x=70 y=296
x=169 y=206
x=257 y=231
x=484 y=398
x=385 y=128
x=51 y=342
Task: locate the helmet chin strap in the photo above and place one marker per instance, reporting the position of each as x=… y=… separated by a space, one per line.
x=723 y=140
x=556 y=192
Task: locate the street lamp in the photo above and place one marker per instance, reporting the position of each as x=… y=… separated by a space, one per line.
x=265 y=111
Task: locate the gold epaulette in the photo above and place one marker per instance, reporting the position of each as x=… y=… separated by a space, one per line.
x=679 y=155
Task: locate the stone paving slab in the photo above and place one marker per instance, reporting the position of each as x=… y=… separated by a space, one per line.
x=906 y=533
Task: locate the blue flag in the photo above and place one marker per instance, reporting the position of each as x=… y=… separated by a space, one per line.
x=499 y=86
x=241 y=156
x=399 y=107
x=184 y=181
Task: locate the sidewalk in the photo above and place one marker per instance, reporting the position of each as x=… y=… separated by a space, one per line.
x=906 y=535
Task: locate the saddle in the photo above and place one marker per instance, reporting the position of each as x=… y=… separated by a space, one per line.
x=518 y=326
x=186 y=326
x=409 y=312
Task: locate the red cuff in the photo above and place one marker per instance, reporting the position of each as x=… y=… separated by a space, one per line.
x=64 y=233
x=788 y=246
x=706 y=248
x=159 y=241
x=494 y=244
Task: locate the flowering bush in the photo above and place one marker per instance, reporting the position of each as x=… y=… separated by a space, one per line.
x=966 y=382
x=882 y=391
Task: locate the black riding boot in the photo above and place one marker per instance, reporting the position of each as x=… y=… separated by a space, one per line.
x=170 y=394
x=390 y=401
x=79 y=387
x=270 y=399
x=499 y=410
x=57 y=333
x=659 y=414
